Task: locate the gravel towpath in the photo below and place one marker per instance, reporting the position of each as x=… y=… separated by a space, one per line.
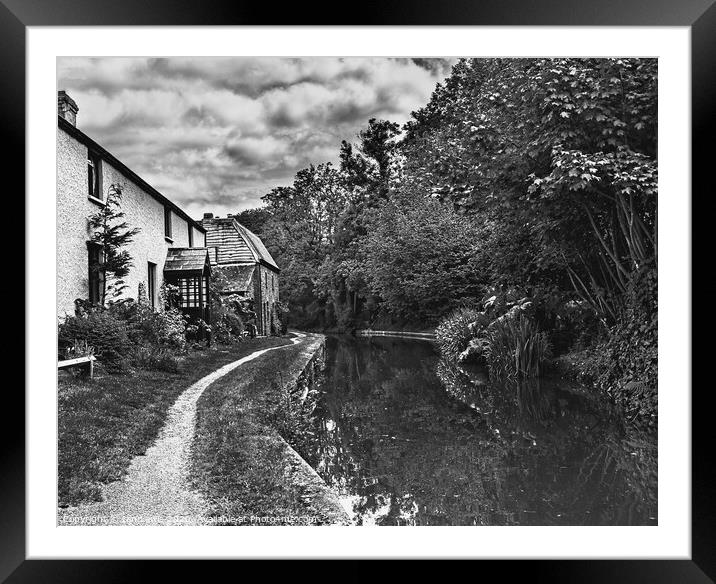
x=156 y=489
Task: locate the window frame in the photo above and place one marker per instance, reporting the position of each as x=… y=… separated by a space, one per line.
x=94 y=189
x=168 y=224
x=152 y=284
x=95 y=278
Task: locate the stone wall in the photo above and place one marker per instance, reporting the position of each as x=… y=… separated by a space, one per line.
x=266 y=296
x=302 y=372
x=73 y=207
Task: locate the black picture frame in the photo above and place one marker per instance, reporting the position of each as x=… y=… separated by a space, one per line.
x=699 y=15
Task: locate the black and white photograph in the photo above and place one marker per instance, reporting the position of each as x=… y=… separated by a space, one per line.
x=357 y=291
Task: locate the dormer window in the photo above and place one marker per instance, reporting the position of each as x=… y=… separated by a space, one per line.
x=94 y=175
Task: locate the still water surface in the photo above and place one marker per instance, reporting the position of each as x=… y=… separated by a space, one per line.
x=408 y=440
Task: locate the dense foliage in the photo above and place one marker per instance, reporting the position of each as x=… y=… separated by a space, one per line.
x=455 y=331
x=531 y=173
x=125 y=334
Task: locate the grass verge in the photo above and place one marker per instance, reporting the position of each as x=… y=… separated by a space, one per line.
x=238 y=461
x=105 y=422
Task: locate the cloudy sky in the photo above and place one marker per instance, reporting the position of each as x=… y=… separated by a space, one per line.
x=215 y=134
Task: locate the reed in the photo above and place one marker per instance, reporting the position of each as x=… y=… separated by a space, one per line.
x=516 y=349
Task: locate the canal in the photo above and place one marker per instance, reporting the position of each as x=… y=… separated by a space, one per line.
x=406 y=439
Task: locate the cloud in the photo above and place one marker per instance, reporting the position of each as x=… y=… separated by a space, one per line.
x=218 y=133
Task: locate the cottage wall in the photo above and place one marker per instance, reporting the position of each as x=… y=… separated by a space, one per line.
x=74 y=206
x=234 y=247
x=266 y=289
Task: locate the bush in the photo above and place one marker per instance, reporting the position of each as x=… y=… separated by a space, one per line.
x=102 y=330
x=576 y=327
x=156 y=358
x=516 y=349
x=78 y=348
x=625 y=365
x=231 y=313
x=146 y=326
x=454 y=332
x=125 y=333
x=229 y=318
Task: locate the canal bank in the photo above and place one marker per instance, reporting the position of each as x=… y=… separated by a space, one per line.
x=242 y=462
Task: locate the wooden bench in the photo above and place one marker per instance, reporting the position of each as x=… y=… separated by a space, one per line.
x=79 y=362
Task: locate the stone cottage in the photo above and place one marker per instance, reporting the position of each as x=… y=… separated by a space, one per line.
x=170 y=245
x=251 y=272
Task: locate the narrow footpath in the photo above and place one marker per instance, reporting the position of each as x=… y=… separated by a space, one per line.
x=156 y=489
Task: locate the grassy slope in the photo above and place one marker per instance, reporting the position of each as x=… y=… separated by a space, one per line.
x=236 y=459
x=103 y=423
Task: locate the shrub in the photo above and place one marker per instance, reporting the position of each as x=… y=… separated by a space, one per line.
x=169 y=328
x=156 y=358
x=231 y=313
x=146 y=326
x=78 y=348
x=102 y=330
x=516 y=349
x=125 y=333
x=625 y=365
x=454 y=333
x=575 y=327
x=230 y=317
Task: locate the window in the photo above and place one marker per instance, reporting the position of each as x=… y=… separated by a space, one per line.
x=192 y=291
x=94 y=175
x=167 y=223
x=96 y=274
x=191 y=235
x=152 y=283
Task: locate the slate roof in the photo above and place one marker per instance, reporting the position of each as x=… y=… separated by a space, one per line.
x=235 y=244
x=186 y=259
x=259 y=249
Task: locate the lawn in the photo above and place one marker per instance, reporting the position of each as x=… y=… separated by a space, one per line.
x=104 y=422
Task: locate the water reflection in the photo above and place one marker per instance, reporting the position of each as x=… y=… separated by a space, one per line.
x=410 y=440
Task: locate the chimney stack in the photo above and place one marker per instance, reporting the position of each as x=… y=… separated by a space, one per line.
x=208 y=216
x=66 y=107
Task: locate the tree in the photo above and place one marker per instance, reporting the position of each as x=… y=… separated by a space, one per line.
x=254 y=219
x=301 y=232
x=562 y=151
x=111 y=234
x=368 y=165
x=423 y=259
x=550 y=164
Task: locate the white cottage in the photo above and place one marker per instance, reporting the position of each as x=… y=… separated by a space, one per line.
x=85 y=171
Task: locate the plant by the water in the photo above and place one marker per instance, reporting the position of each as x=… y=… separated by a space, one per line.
x=516 y=349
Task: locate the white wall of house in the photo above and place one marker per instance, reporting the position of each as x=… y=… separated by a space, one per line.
x=199 y=238
x=73 y=207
